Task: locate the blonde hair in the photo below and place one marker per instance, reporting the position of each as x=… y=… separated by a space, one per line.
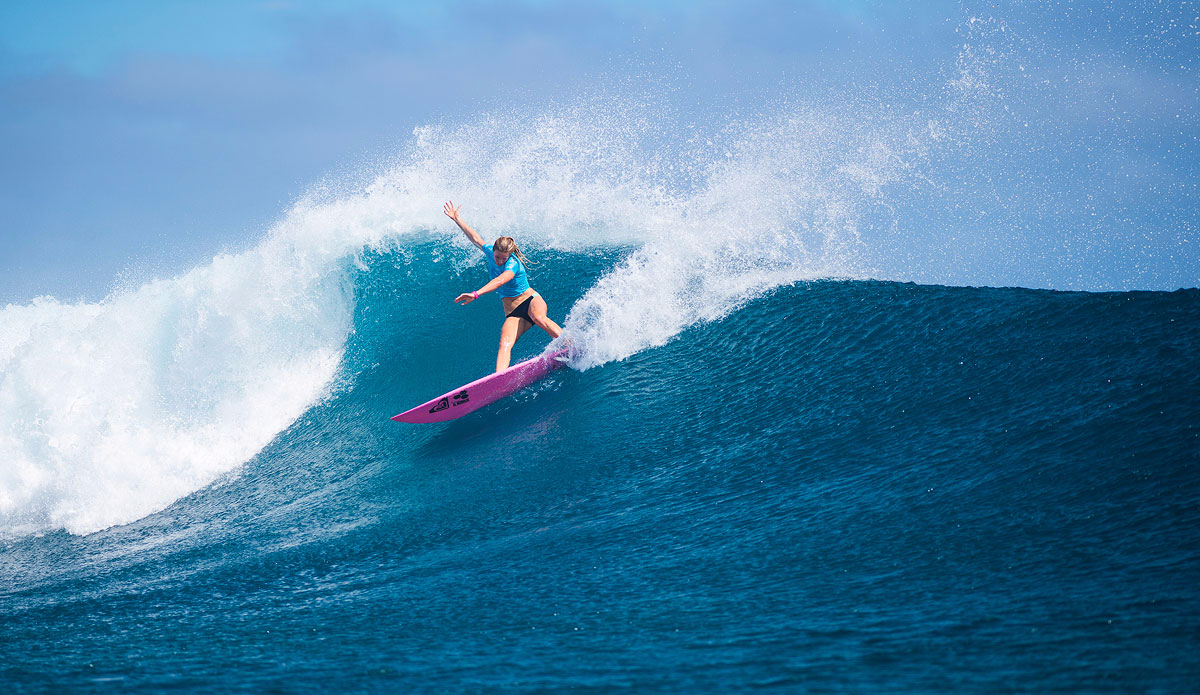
x=507 y=244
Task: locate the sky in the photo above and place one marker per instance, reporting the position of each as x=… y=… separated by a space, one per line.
x=142 y=137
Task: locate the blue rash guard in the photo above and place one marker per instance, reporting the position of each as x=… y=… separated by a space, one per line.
x=519 y=283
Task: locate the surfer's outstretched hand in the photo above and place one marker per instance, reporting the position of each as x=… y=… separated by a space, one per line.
x=464 y=298
x=450 y=210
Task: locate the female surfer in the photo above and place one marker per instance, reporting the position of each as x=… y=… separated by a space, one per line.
x=523 y=306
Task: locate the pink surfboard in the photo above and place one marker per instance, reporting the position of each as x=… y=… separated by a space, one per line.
x=481 y=392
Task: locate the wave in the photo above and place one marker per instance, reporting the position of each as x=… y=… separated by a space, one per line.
x=115 y=409
x=112 y=410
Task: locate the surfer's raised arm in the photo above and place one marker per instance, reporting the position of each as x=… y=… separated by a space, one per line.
x=452 y=212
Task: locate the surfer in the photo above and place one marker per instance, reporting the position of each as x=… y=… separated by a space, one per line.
x=524 y=308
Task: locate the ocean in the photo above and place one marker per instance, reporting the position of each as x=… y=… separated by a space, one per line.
x=840 y=485
x=803 y=445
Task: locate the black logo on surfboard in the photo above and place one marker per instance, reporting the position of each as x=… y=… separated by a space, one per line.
x=457 y=399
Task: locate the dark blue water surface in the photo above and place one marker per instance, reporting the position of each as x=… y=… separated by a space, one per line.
x=844 y=486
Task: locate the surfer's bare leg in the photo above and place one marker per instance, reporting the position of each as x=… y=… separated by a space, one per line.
x=508 y=336
x=537 y=314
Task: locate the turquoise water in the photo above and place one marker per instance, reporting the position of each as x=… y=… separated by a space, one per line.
x=834 y=485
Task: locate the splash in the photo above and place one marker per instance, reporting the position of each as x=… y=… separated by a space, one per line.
x=113 y=410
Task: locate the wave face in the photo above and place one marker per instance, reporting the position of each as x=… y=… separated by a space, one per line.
x=860 y=484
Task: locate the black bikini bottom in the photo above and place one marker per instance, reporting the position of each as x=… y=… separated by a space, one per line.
x=522 y=310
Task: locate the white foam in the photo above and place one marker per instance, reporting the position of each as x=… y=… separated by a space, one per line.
x=113 y=410
x=782 y=206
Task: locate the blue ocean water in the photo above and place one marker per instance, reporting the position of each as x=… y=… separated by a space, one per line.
x=835 y=485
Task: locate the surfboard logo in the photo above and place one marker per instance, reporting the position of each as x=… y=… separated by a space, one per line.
x=446 y=401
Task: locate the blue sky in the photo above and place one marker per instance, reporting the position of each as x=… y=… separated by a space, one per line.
x=147 y=136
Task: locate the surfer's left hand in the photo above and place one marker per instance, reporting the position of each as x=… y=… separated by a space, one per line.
x=464 y=298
